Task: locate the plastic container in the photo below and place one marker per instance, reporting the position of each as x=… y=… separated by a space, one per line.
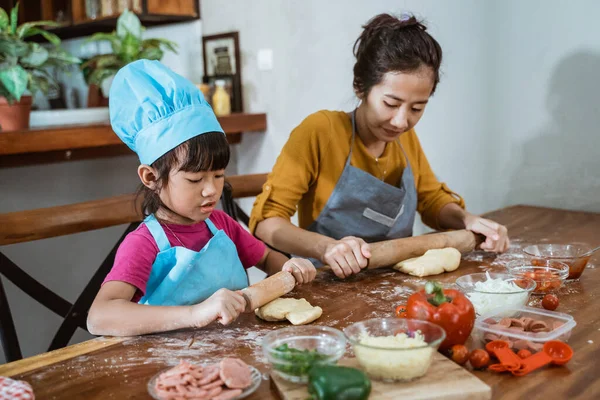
x=389 y=363
x=548 y=278
x=293 y=366
x=560 y=326
x=487 y=301
x=570 y=254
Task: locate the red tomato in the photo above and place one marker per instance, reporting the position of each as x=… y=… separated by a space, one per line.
x=550 y=302
x=459 y=354
x=479 y=359
x=401 y=311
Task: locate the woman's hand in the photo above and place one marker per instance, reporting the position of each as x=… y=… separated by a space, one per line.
x=347 y=256
x=303 y=270
x=496 y=235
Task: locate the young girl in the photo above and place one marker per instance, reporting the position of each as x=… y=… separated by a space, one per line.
x=183 y=266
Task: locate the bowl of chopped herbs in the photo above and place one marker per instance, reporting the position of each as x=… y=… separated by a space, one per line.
x=292 y=352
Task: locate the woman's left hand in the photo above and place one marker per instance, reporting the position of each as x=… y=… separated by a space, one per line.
x=303 y=270
x=496 y=235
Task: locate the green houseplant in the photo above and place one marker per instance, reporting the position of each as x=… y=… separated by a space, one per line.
x=24 y=66
x=127 y=46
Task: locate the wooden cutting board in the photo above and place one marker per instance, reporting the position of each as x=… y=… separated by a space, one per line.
x=444 y=380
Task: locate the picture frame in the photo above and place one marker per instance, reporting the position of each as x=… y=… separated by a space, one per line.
x=221 y=61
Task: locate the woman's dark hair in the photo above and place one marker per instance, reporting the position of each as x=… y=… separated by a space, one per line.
x=206 y=152
x=389 y=44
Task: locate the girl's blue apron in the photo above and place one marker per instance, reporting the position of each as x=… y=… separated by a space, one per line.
x=181 y=276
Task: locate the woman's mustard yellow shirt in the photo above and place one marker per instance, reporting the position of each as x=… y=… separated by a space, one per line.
x=314 y=157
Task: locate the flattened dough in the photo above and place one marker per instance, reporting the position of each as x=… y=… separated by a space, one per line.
x=297 y=311
x=433 y=262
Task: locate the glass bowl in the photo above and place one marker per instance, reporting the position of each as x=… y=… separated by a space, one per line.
x=548 y=278
x=570 y=254
x=292 y=351
x=486 y=301
x=391 y=359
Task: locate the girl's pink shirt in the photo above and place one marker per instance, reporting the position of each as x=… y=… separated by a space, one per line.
x=137 y=252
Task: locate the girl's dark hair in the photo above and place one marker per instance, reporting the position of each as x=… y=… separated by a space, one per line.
x=206 y=152
x=389 y=44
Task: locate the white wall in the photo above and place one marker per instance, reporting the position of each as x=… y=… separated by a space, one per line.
x=544 y=135
x=312 y=46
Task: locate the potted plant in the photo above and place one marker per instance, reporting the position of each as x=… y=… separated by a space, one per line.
x=24 y=67
x=127 y=46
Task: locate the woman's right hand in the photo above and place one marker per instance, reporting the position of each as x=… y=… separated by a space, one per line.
x=347 y=256
x=224 y=306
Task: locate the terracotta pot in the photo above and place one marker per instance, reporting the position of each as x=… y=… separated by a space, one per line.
x=15 y=117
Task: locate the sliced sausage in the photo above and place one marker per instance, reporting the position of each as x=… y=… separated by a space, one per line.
x=210 y=374
x=235 y=373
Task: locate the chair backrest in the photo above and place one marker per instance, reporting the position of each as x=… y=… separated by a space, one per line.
x=44 y=223
x=241 y=186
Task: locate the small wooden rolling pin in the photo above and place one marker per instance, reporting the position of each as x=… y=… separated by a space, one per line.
x=383 y=254
x=268 y=290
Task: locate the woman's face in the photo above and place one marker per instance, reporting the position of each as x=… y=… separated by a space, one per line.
x=396 y=104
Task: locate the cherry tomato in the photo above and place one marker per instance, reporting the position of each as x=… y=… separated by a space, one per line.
x=459 y=354
x=479 y=359
x=550 y=302
x=401 y=311
x=524 y=353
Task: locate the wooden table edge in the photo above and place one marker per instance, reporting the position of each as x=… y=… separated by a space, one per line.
x=45 y=359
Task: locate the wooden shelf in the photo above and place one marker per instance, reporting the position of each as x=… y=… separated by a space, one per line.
x=76 y=142
x=109 y=24
x=72 y=14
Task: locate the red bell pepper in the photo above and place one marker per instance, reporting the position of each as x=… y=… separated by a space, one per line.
x=448 y=308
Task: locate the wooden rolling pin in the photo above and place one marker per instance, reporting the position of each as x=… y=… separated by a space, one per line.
x=383 y=254
x=391 y=252
x=268 y=290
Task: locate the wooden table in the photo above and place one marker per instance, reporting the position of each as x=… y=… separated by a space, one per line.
x=120 y=368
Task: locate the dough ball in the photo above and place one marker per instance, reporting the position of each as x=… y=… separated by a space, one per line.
x=433 y=262
x=297 y=311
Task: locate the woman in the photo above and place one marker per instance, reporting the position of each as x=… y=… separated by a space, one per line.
x=360 y=177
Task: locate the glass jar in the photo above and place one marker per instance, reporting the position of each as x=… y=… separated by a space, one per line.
x=109 y=8
x=92 y=9
x=221 y=101
x=123 y=5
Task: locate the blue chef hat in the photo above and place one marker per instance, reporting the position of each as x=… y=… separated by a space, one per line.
x=153 y=109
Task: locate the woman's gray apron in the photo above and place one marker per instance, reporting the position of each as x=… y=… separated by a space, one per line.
x=363 y=206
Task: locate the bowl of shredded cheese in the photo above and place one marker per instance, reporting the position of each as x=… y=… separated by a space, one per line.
x=394 y=349
x=493 y=291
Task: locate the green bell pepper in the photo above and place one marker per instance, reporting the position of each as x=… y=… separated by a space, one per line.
x=332 y=382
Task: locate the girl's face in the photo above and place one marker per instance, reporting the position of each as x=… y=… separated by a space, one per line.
x=396 y=104
x=192 y=195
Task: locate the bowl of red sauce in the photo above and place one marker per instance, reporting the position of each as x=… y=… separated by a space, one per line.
x=575 y=256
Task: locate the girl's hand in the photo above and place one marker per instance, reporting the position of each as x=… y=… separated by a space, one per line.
x=224 y=306
x=496 y=235
x=347 y=256
x=302 y=269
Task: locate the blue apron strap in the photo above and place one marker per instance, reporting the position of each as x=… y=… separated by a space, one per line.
x=211 y=226
x=158 y=233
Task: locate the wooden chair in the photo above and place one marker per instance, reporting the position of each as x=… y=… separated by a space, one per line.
x=245 y=186
x=44 y=223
